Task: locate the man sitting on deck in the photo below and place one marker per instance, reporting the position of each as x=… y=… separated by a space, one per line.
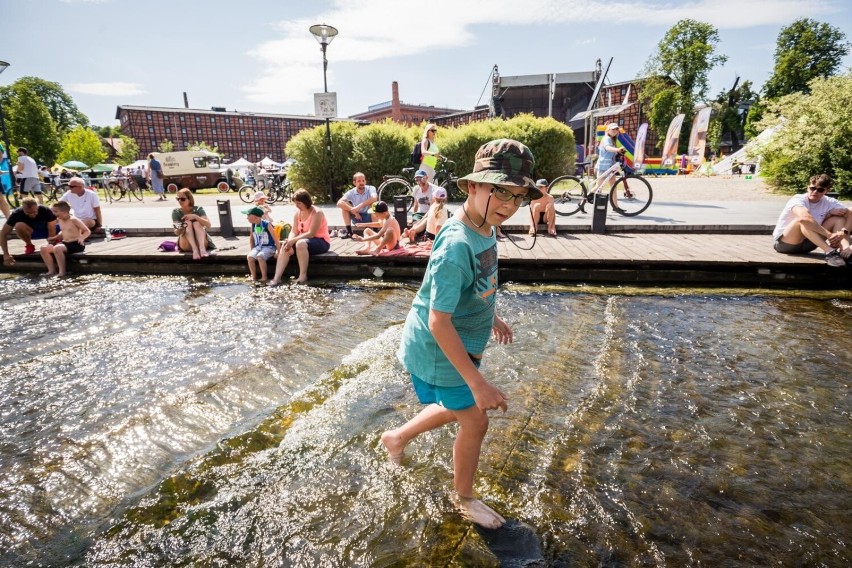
x=812 y=220
x=86 y=205
x=30 y=221
x=355 y=203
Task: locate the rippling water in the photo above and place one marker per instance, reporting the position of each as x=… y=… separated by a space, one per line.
x=167 y=421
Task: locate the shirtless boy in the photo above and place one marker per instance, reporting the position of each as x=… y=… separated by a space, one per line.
x=70 y=239
x=387 y=236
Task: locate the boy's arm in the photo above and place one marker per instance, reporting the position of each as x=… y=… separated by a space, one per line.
x=486 y=395
x=85 y=232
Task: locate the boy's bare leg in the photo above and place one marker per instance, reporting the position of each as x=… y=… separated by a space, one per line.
x=431 y=417
x=262 y=264
x=252 y=267
x=59 y=251
x=368 y=232
x=47 y=256
x=473 y=425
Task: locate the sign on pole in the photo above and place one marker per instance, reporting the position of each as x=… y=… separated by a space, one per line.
x=325 y=105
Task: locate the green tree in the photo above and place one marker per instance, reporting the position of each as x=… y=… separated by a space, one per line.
x=204 y=146
x=60 y=105
x=129 y=151
x=84 y=145
x=30 y=125
x=676 y=75
x=166 y=146
x=805 y=50
x=815 y=136
x=107 y=131
x=729 y=115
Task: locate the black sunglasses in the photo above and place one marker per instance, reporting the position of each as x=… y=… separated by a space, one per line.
x=817 y=188
x=181 y=198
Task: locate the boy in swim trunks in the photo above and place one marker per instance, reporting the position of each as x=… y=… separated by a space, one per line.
x=387 y=236
x=70 y=239
x=453 y=315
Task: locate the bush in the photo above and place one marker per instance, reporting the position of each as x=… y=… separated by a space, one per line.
x=815 y=138
x=308 y=149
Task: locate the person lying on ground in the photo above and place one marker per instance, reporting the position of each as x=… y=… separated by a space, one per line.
x=813 y=220
x=387 y=237
x=30 y=221
x=70 y=239
x=191 y=223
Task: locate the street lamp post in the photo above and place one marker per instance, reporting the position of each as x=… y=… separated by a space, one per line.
x=324 y=35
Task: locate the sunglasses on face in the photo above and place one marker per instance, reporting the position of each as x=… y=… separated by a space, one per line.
x=817 y=189
x=181 y=198
x=504 y=194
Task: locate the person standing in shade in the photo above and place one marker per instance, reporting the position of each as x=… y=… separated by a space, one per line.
x=429 y=151
x=454 y=314
x=28 y=172
x=155 y=177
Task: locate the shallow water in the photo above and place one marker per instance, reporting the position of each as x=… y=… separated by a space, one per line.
x=167 y=421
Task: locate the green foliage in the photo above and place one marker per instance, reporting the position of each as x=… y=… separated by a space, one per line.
x=84 y=145
x=382 y=148
x=204 y=146
x=727 y=117
x=129 y=151
x=815 y=138
x=30 y=125
x=107 y=131
x=166 y=146
x=59 y=104
x=805 y=50
x=754 y=116
x=685 y=55
x=311 y=171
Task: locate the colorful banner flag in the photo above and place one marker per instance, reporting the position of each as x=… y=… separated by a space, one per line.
x=639 y=146
x=698 y=136
x=670 y=147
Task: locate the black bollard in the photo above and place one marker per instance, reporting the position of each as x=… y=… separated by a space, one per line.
x=226 y=224
x=400 y=210
x=599 y=214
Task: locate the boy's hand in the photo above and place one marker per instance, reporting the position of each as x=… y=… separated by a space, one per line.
x=81 y=240
x=489 y=397
x=502 y=331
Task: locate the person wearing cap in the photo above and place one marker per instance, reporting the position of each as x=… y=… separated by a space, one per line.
x=355 y=203
x=386 y=238
x=191 y=223
x=543 y=210
x=259 y=200
x=607 y=150
x=434 y=219
x=423 y=191
x=264 y=243
x=453 y=316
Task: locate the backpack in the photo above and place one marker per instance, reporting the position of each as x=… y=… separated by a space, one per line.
x=416 y=155
x=167 y=246
x=281 y=230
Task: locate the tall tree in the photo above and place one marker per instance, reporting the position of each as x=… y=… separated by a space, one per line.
x=129 y=150
x=805 y=50
x=84 y=145
x=59 y=104
x=30 y=125
x=729 y=115
x=676 y=75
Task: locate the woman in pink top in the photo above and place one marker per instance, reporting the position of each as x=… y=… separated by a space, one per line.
x=309 y=236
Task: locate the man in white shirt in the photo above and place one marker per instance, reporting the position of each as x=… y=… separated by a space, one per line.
x=423 y=192
x=28 y=172
x=85 y=203
x=812 y=220
x=355 y=203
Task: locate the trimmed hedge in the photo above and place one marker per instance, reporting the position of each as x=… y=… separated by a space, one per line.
x=384 y=148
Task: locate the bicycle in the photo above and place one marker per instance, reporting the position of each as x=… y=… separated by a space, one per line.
x=280 y=189
x=629 y=194
x=118 y=187
x=404 y=184
x=10 y=192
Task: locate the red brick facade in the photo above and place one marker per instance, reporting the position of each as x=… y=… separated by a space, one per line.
x=631 y=117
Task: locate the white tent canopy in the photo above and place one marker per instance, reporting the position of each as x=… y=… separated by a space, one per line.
x=137 y=164
x=268 y=162
x=241 y=163
x=725 y=165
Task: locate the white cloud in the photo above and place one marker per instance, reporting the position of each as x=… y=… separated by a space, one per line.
x=116 y=89
x=374 y=29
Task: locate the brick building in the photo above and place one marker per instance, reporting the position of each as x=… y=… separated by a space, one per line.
x=399 y=111
x=619 y=103
x=248 y=135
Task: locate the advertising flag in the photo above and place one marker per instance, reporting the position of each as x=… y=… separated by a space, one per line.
x=698 y=136
x=670 y=147
x=639 y=146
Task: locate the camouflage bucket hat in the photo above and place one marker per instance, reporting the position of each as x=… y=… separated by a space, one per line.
x=503 y=162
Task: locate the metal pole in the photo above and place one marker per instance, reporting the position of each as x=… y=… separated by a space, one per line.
x=329 y=168
x=6 y=146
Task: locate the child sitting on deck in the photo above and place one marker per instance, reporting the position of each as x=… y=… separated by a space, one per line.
x=434 y=219
x=387 y=236
x=70 y=239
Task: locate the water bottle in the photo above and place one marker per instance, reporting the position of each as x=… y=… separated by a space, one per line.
x=107 y=234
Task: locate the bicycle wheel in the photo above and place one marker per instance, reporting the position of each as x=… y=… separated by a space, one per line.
x=569 y=195
x=246 y=193
x=630 y=195
x=134 y=190
x=395 y=187
x=115 y=190
x=12 y=199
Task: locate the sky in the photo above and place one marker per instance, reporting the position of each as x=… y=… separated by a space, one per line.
x=258 y=55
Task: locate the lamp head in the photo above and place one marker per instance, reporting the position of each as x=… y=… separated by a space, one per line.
x=3 y=64
x=323 y=33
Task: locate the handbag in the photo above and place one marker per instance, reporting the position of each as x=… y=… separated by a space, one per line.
x=159 y=174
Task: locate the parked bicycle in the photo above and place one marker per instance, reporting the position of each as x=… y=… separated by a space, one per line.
x=404 y=184
x=124 y=185
x=277 y=190
x=629 y=194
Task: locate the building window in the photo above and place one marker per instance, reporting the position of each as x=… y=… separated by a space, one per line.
x=242 y=132
x=150 y=129
x=183 y=130
x=212 y=119
x=149 y=116
x=197 y=119
x=254 y=121
x=214 y=131
x=621 y=122
x=168 y=130
x=227 y=131
x=623 y=91
x=241 y=121
x=227 y=120
x=153 y=143
x=182 y=118
x=165 y=117
x=243 y=144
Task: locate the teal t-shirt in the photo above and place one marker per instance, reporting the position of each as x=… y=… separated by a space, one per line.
x=461 y=279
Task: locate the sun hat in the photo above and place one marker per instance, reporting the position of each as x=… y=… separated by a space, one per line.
x=503 y=162
x=258 y=196
x=380 y=207
x=420 y=174
x=440 y=193
x=612 y=125
x=253 y=211
x=541 y=183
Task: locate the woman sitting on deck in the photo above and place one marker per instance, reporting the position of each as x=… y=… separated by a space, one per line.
x=191 y=224
x=309 y=236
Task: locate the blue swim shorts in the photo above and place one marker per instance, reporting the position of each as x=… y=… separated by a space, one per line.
x=451 y=398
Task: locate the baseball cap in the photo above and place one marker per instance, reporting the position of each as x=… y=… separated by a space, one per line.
x=258 y=195
x=503 y=162
x=440 y=193
x=612 y=125
x=253 y=211
x=420 y=174
x=541 y=183
x=380 y=207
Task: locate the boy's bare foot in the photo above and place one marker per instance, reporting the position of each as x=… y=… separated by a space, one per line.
x=394 y=445
x=478 y=512
x=273 y=283
x=363 y=251
x=48 y=274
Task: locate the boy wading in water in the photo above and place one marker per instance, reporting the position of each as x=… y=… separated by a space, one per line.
x=452 y=317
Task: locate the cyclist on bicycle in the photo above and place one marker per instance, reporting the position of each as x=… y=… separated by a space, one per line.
x=607 y=149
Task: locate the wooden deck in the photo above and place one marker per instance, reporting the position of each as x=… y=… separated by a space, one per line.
x=622 y=258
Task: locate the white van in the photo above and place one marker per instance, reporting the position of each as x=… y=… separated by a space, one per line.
x=193 y=169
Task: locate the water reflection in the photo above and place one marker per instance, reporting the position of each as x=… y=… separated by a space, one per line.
x=210 y=422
